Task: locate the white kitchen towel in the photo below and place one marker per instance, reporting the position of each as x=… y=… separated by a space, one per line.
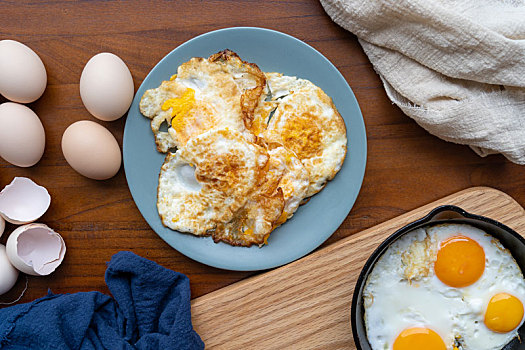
x=457 y=67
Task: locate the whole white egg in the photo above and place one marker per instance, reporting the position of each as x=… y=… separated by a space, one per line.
x=2 y=225
x=23 y=76
x=91 y=150
x=22 y=136
x=106 y=87
x=8 y=274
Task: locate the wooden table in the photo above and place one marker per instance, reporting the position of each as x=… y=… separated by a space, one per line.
x=407 y=167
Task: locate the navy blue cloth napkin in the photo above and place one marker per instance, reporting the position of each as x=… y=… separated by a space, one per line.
x=150 y=310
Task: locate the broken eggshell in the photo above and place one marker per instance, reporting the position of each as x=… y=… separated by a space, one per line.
x=23 y=201
x=35 y=249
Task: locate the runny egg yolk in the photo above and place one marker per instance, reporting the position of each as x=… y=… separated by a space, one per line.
x=460 y=261
x=504 y=313
x=181 y=108
x=418 y=338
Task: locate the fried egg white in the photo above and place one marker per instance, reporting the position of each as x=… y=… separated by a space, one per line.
x=307 y=123
x=208 y=180
x=295 y=180
x=219 y=92
x=254 y=222
x=283 y=85
x=404 y=290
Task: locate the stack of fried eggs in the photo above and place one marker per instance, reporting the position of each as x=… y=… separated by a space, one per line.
x=244 y=148
x=450 y=286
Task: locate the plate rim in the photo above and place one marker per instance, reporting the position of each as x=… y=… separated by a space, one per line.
x=359 y=172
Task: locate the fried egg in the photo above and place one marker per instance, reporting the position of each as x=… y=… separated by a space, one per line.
x=219 y=92
x=307 y=123
x=449 y=286
x=208 y=180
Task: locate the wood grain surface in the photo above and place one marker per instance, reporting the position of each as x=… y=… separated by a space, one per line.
x=406 y=166
x=306 y=304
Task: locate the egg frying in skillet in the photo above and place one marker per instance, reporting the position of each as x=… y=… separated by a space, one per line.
x=447 y=286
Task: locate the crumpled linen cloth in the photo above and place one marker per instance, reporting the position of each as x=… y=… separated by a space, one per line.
x=457 y=67
x=150 y=310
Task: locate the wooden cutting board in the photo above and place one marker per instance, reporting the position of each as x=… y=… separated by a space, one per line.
x=306 y=304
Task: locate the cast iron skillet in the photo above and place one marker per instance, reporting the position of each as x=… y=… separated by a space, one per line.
x=443 y=214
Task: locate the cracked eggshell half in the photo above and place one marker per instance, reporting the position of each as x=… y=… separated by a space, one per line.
x=23 y=201
x=8 y=273
x=35 y=249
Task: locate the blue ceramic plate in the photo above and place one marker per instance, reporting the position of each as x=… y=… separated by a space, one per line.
x=313 y=222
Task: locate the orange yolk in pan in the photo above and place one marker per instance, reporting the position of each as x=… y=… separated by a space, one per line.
x=460 y=261
x=419 y=338
x=504 y=313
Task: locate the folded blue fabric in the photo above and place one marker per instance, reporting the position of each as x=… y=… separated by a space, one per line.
x=150 y=310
